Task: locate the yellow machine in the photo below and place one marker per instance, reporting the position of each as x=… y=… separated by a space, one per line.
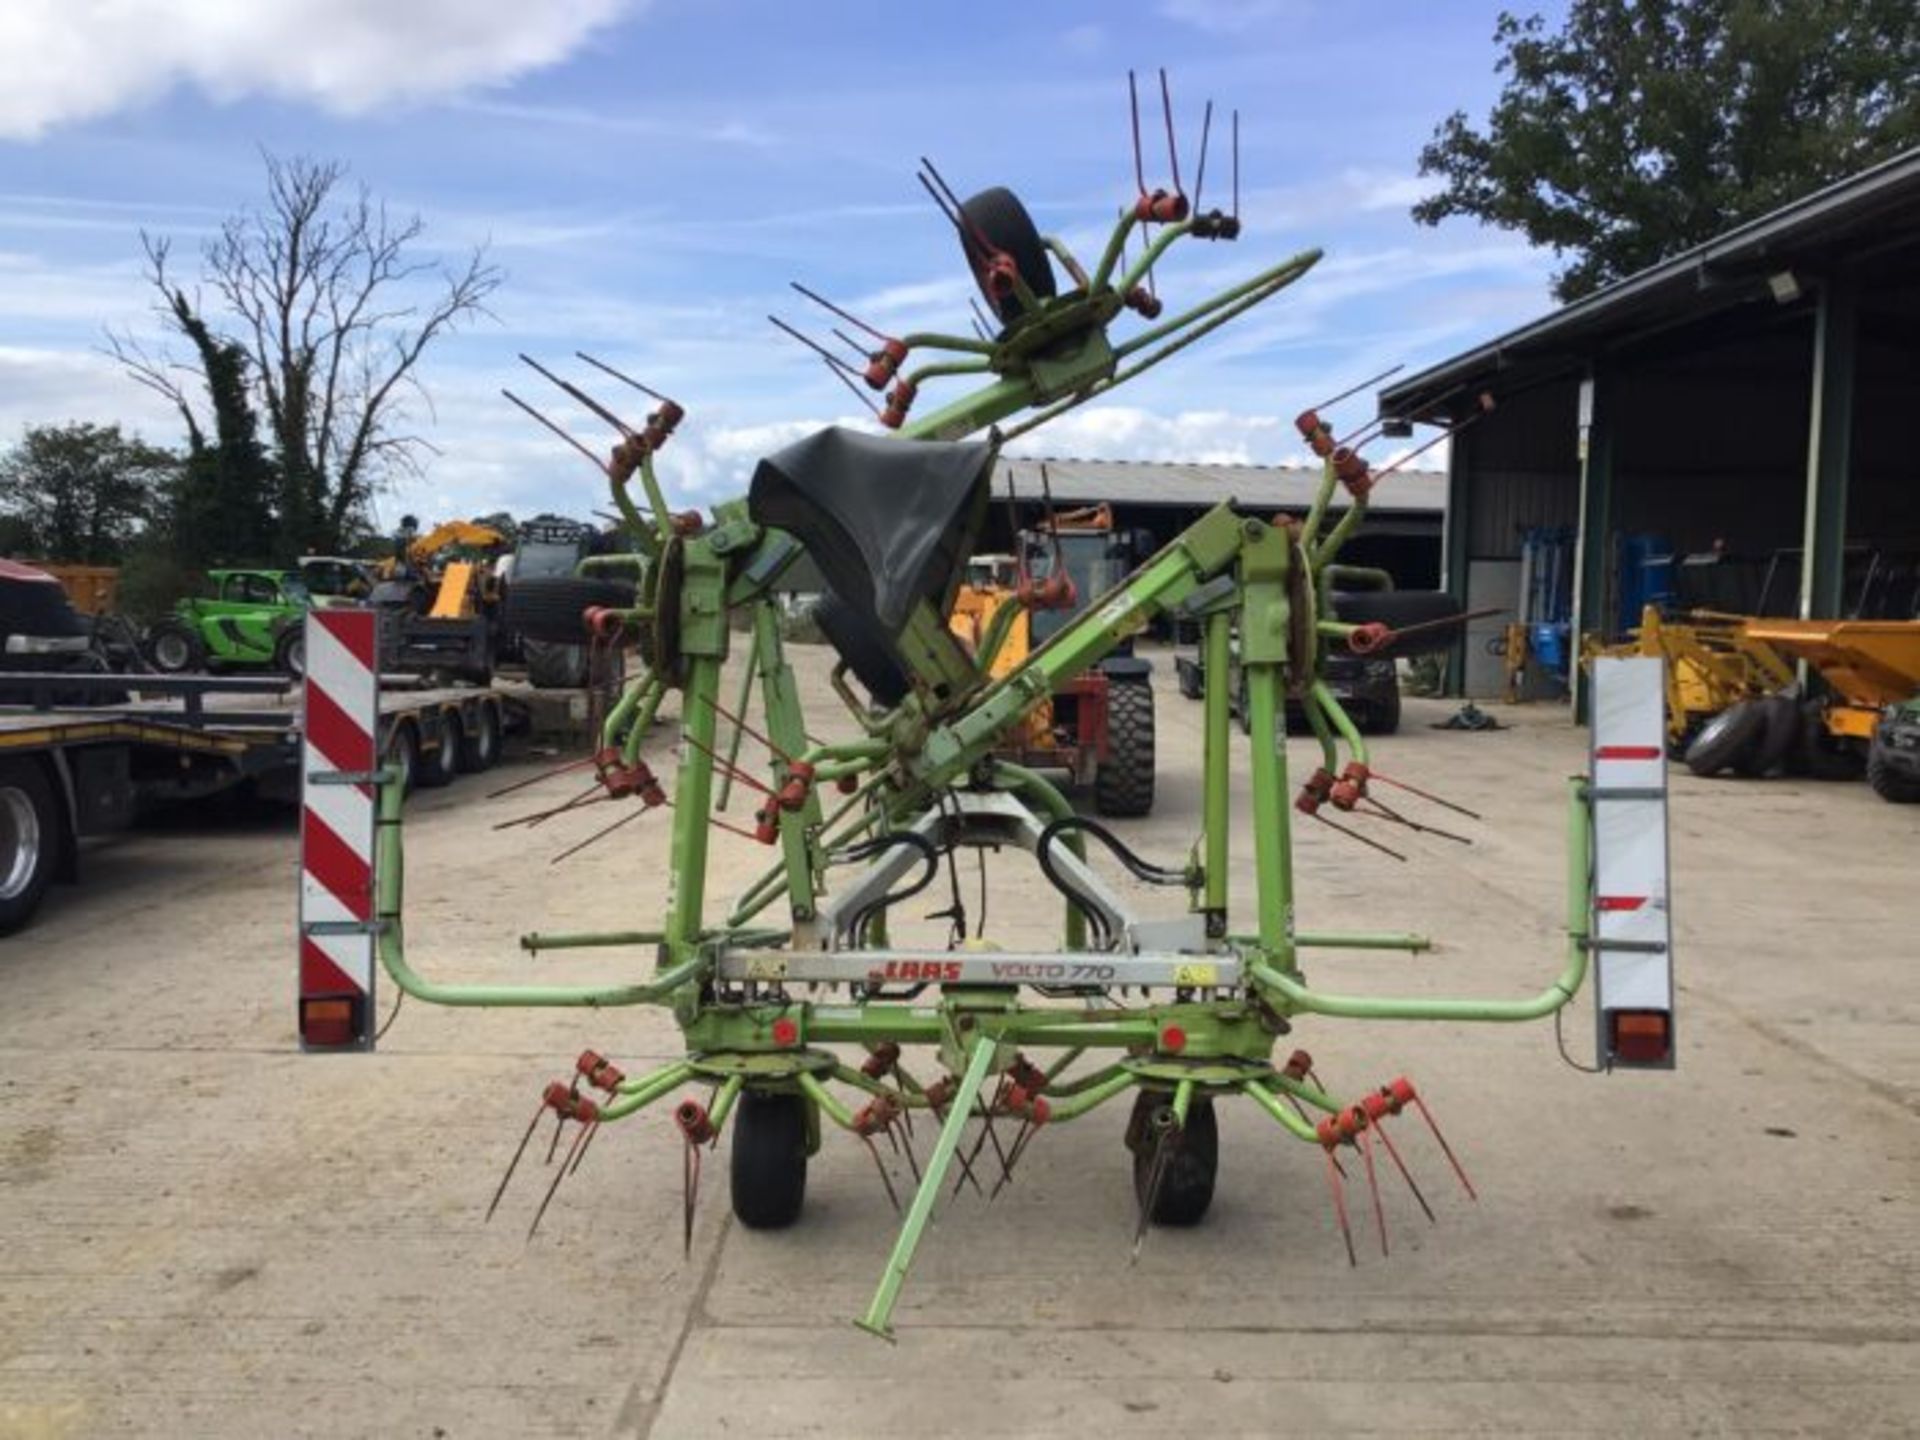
x=459 y=587
x=1713 y=662
x=1868 y=664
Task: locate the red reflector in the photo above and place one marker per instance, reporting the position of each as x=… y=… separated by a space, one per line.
x=1640 y=1037
x=1620 y=902
x=785 y=1032
x=1173 y=1039
x=1627 y=752
x=329 y=1022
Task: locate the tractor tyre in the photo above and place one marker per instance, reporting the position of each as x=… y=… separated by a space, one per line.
x=480 y=741
x=1779 y=738
x=403 y=753
x=1382 y=718
x=1887 y=782
x=1003 y=222
x=1123 y=782
x=31 y=839
x=175 y=648
x=555 y=667
x=552 y=607
x=768 y=1172
x=1726 y=739
x=1824 y=757
x=290 y=652
x=440 y=766
x=1186 y=1183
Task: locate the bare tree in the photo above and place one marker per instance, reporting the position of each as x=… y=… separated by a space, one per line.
x=323 y=292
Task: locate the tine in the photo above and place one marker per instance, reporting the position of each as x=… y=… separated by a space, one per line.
x=586 y=1144
x=585 y=399
x=689 y=1195
x=880 y=1165
x=826 y=304
x=1157 y=1173
x=558 y=770
x=1236 y=164
x=913 y=1161
x=597 y=836
x=1340 y=1207
x=1373 y=1185
x=1405 y=1174
x=1452 y=1159
x=1425 y=795
x=625 y=379
x=814 y=345
x=513 y=1164
x=1200 y=180
x=559 y=1129
x=558 y=1175
x=1173 y=151
x=1133 y=102
x=858 y=394
x=594 y=459
x=967 y=1176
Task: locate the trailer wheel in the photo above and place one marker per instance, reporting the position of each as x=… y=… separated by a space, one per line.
x=30 y=836
x=1004 y=223
x=1186 y=1185
x=480 y=742
x=403 y=752
x=1726 y=738
x=1887 y=782
x=769 y=1161
x=1382 y=718
x=1123 y=782
x=441 y=766
x=174 y=648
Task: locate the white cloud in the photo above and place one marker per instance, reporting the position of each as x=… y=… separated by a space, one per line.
x=1226 y=17
x=68 y=60
x=1126 y=432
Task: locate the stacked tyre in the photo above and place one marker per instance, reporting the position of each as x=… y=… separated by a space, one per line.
x=1771 y=735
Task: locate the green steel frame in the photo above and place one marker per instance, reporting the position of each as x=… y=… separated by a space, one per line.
x=1203 y=1039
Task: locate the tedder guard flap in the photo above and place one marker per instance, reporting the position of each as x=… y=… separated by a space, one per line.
x=1631 y=920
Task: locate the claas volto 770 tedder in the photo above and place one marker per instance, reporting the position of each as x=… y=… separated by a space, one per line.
x=799 y=1012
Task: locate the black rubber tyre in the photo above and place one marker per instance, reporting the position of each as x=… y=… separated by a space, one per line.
x=1123 y=782
x=859 y=641
x=1003 y=222
x=1383 y=717
x=173 y=648
x=550 y=607
x=1778 y=739
x=480 y=741
x=403 y=750
x=1398 y=610
x=440 y=766
x=1824 y=757
x=555 y=667
x=1725 y=739
x=32 y=831
x=768 y=1172
x=1192 y=676
x=290 y=652
x=1887 y=782
x=1186 y=1186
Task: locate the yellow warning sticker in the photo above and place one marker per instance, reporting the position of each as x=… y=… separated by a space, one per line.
x=1196 y=974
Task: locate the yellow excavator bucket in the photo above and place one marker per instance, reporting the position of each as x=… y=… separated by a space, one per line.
x=454 y=599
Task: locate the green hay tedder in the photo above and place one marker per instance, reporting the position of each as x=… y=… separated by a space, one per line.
x=797 y=1010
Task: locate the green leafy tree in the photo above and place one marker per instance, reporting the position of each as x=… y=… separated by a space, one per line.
x=1643 y=127
x=82 y=494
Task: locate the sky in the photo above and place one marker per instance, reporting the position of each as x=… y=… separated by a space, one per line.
x=649 y=174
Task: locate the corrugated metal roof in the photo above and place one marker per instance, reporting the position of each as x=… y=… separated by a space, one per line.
x=1149 y=482
x=1871 y=208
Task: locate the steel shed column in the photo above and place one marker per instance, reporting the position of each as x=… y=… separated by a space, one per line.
x=1590 y=547
x=1836 y=328
x=1455 y=526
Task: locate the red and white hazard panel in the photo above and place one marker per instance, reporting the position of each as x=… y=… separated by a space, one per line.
x=340 y=729
x=1631 y=926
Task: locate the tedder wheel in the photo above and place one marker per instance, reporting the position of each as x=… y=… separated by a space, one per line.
x=441 y=766
x=769 y=1169
x=552 y=607
x=480 y=742
x=174 y=648
x=1123 y=782
x=1887 y=782
x=29 y=840
x=1004 y=223
x=290 y=652
x=403 y=750
x=1186 y=1184
x=1725 y=739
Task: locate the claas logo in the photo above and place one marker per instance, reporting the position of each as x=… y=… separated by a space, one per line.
x=916 y=970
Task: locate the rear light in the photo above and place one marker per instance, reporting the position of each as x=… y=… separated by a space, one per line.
x=1639 y=1037
x=332 y=1022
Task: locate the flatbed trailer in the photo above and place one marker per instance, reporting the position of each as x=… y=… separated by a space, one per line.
x=71 y=773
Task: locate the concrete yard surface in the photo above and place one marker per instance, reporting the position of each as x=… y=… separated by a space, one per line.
x=204 y=1233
